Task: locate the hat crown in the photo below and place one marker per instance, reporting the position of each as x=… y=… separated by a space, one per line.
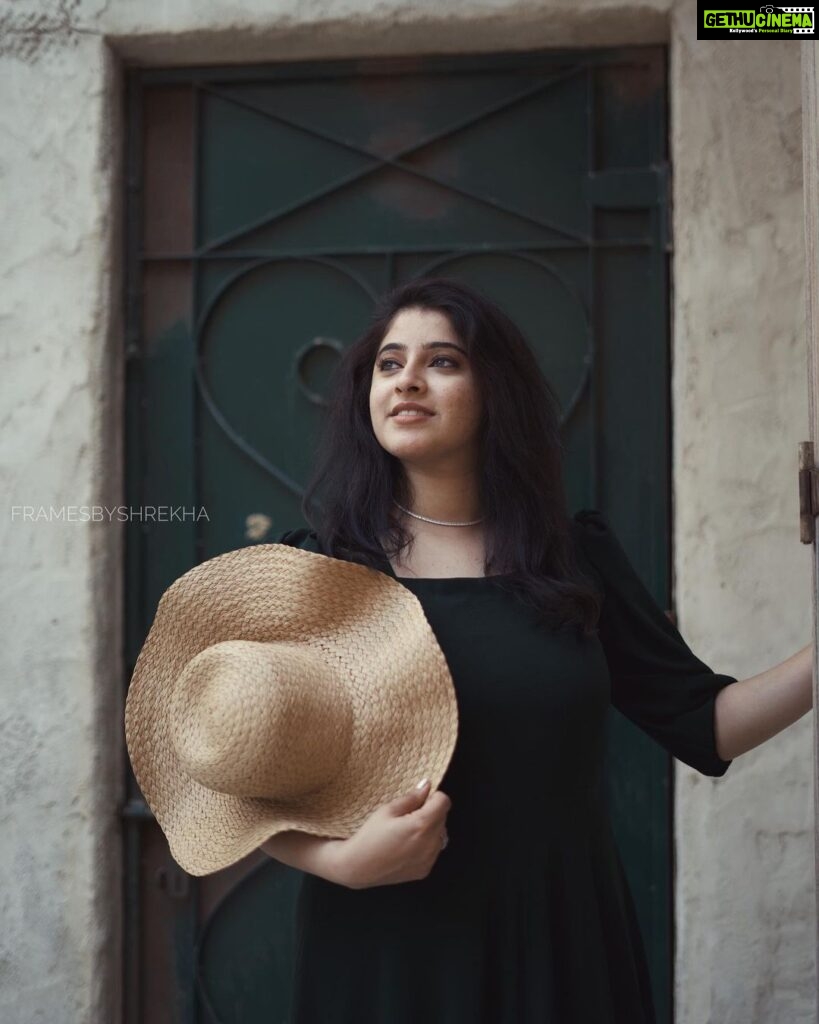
x=261 y=719
x=324 y=694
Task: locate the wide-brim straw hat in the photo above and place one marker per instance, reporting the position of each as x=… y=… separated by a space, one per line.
x=283 y=689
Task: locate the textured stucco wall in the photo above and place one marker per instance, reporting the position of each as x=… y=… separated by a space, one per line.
x=60 y=599
x=744 y=846
x=744 y=843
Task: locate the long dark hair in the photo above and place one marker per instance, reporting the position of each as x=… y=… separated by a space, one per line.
x=527 y=524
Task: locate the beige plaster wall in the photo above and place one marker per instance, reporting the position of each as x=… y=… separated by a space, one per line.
x=60 y=592
x=744 y=853
x=744 y=843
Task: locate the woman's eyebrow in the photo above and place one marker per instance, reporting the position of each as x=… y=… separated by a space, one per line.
x=427 y=344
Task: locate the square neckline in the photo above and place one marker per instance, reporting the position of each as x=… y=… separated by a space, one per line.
x=441 y=579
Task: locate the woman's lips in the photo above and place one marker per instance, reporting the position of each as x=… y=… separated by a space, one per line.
x=411 y=417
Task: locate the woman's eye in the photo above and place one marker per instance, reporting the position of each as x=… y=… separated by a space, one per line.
x=383 y=364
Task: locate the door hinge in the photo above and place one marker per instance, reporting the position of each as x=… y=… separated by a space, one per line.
x=643 y=188
x=173 y=881
x=808 y=493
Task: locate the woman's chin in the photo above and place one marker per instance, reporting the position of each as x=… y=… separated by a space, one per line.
x=411 y=452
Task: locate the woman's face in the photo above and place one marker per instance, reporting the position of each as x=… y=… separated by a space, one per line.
x=439 y=378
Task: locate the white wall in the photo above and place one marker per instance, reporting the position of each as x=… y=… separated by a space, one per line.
x=744 y=843
x=60 y=583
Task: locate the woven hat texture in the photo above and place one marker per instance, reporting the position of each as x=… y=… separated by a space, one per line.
x=283 y=689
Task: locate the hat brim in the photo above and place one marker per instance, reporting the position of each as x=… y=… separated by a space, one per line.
x=405 y=714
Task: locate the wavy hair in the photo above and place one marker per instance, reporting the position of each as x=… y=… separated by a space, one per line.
x=528 y=530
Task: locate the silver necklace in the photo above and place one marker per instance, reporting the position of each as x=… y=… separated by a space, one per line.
x=438 y=522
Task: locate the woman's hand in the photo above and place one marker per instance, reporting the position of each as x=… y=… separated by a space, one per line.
x=399 y=842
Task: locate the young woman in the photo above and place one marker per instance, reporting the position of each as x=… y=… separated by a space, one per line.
x=500 y=898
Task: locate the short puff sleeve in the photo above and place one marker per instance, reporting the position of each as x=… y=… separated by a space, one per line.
x=298 y=538
x=301 y=537
x=656 y=679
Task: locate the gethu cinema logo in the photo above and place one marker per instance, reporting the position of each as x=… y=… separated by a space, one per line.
x=766 y=17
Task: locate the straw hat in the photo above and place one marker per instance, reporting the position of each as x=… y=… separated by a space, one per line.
x=283 y=689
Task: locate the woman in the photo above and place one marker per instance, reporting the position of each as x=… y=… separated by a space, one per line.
x=499 y=899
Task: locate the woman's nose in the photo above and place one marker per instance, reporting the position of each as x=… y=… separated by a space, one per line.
x=408 y=377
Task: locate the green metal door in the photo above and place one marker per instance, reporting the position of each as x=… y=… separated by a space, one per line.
x=267 y=208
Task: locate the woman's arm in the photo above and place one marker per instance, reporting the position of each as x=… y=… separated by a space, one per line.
x=317 y=855
x=750 y=711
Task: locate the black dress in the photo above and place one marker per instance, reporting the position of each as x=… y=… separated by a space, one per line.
x=526 y=916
